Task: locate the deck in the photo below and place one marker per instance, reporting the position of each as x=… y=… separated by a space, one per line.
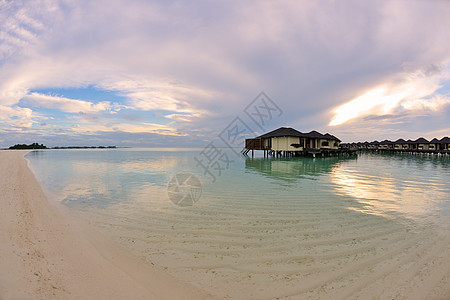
x=309 y=152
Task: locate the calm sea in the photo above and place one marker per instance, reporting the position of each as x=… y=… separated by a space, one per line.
x=290 y=213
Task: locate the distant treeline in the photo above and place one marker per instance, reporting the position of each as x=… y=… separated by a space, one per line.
x=41 y=146
x=30 y=146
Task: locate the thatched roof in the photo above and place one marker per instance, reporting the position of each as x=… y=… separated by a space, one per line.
x=288 y=131
x=400 y=141
x=434 y=141
x=282 y=131
x=421 y=140
x=331 y=137
x=445 y=140
x=386 y=142
x=315 y=135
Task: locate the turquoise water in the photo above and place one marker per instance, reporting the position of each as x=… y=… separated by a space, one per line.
x=287 y=228
x=390 y=185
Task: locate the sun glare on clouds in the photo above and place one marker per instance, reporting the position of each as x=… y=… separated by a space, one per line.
x=417 y=92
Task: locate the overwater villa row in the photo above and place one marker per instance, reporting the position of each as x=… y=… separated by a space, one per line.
x=286 y=141
x=421 y=145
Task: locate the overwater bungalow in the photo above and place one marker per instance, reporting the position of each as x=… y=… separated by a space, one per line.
x=422 y=144
x=373 y=145
x=434 y=144
x=411 y=145
x=386 y=144
x=444 y=143
x=288 y=141
x=401 y=144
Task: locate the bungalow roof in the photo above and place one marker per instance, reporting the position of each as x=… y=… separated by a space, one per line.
x=315 y=135
x=386 y=142
x=445 y=140
x=282 y=131
x=434 y=141
x=421 y=140
x=400 y=141
x=331 y=137
x=288 y=131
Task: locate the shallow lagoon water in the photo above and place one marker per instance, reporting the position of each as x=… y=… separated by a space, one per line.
x=265 y=228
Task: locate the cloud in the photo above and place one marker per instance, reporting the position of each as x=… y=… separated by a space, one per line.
x=414 y=92
x=20 y=117
x=128 y=128
x=435 y=103
x=201 y=63
x=68 y=105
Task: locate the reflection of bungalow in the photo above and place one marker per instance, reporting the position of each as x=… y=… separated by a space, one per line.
x=400 y=144
x=289 y=170
x=422 y=144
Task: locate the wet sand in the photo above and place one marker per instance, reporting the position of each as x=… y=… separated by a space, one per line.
x=45 y=254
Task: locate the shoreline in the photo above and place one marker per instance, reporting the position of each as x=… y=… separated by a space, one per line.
x=47 y=254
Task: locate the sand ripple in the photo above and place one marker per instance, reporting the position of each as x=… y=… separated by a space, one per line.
x=286 y=248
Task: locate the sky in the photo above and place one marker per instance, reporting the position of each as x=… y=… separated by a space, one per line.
x=177 y=73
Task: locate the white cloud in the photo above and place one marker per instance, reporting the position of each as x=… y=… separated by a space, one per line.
x=158 y=95
x=434 y=104
x=11 y=117
x=68 y=105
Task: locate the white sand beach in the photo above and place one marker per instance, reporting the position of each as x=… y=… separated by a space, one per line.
x=47 y=255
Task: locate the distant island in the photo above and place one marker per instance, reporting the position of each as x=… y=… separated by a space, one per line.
x=30 y=146
x=42 y=146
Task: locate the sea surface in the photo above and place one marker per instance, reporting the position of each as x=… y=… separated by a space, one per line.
x=261 y=228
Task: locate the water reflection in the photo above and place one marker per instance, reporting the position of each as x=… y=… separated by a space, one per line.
x=102 y=178
x=384 y=185
x=293 y=168
x=414 y=187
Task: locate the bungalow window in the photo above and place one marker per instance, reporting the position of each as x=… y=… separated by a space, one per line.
x=325 y=143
